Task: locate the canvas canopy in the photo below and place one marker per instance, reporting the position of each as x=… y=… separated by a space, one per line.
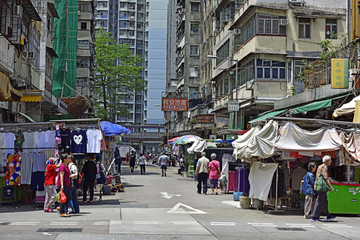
x=347 y=108
x=295 y=138
x=198 y=146
x=256 y=142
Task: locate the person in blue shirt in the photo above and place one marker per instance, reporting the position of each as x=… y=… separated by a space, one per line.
x=308 y=190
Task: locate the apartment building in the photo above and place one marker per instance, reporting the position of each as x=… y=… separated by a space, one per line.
x=26 y=56
x=257 y=50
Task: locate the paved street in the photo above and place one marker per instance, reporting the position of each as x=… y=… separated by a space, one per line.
x=155 y=207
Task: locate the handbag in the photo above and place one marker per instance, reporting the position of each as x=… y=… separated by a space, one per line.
x=62 y=198
x=100 y=178
x=321 y=185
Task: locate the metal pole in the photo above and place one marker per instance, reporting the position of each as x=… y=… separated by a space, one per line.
x=236 y=93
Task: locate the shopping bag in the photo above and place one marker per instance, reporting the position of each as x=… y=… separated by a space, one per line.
x=62 y=197
x=321 y=185
x=58 y=197
x=100 y=179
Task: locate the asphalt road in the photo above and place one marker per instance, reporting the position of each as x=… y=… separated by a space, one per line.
x=155 y=207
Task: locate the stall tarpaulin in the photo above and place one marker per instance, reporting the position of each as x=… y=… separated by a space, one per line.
x=111 y=129
x=260 y=178
x=350 y=150
x=198 y=146
x=257 y=143
x=295 y=138
x=347 y=108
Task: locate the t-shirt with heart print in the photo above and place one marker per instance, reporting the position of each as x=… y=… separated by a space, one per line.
x=78 y=141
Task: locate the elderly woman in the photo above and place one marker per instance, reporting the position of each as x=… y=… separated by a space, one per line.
x=308 y=189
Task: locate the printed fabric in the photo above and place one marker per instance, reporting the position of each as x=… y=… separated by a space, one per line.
x=19 y=140
x=78 y=141
x=13 y=169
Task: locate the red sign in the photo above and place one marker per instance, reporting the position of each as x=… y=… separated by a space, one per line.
x=174 y=104
x=206 y=118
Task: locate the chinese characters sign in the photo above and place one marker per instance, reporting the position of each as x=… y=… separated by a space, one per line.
x=340 y=73
x=174 y=104
x=206 y=118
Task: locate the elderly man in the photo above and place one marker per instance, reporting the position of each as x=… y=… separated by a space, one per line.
x=202 y=173
x=321 y=199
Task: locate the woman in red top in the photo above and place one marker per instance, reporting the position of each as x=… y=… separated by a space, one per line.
x=64 y=184
x=50 y=187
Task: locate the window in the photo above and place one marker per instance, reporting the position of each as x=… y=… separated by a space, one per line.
x=84 y=8
x=194 y=28
x=222 y=53
x=304 y=28
x=122 y=15
x=268 y=69
x=82 y=63
x=195 y=7
x=194 y=50
x=83 y=26
x=83 y=44
x=269 y=24
x=331 y=29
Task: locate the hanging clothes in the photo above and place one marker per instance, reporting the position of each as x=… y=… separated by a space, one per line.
x=78 y=141
x=26 y=167
x=13 y=169
x=260 y=179
x=9 y=140
x=30 y=141
x=19 y=140
x=65 y=140
x=94 y=137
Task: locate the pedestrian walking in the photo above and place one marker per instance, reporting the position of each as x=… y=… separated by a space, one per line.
x=214 y=173
x=50 y=187
x=181 y=165
x=308 y=189
x=74 y=185
x=321 y=199
x=202 y=173
x=141 y=163
x=64 y=185
x=89 y=176
x=163 y=160
x=132 y=160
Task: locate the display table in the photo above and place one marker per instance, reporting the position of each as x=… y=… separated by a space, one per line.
x=345 y=198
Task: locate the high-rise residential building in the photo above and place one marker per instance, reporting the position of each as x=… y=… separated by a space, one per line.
x=143 y=25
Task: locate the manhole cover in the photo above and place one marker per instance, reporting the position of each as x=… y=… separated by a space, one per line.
x=291 y=229
x=59 y=230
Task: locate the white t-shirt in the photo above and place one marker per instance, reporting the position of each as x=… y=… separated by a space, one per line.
x=9 y=139
x=50 y=139
x=29 y=141
x=94 y=137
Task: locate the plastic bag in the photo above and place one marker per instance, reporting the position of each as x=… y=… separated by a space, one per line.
x=58 y=197
x=62 y=198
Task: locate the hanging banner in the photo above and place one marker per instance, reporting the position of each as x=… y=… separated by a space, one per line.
x=174 y=104
x=340 y=73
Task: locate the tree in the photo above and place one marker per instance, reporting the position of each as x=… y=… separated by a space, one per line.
x=117 y=75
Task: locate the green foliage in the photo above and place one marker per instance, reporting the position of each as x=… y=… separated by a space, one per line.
x=117 y=75
x=329 y=50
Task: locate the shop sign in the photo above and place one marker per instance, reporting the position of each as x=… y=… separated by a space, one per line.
x=174 y=104
x=340 y=73
x=233 y=106
x=206 y=118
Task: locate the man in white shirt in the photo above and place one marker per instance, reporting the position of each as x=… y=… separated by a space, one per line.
x=201 y=172
x=163 y=163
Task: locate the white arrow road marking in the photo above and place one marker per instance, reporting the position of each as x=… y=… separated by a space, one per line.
x=193 y=210
x=168 y=196
x=222 y=223
x=24 y=223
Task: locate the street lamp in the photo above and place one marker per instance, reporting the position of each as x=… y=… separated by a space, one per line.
x=236 y=85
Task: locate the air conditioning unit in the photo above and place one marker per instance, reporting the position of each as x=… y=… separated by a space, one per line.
x=30 y=55
x=284 y=22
